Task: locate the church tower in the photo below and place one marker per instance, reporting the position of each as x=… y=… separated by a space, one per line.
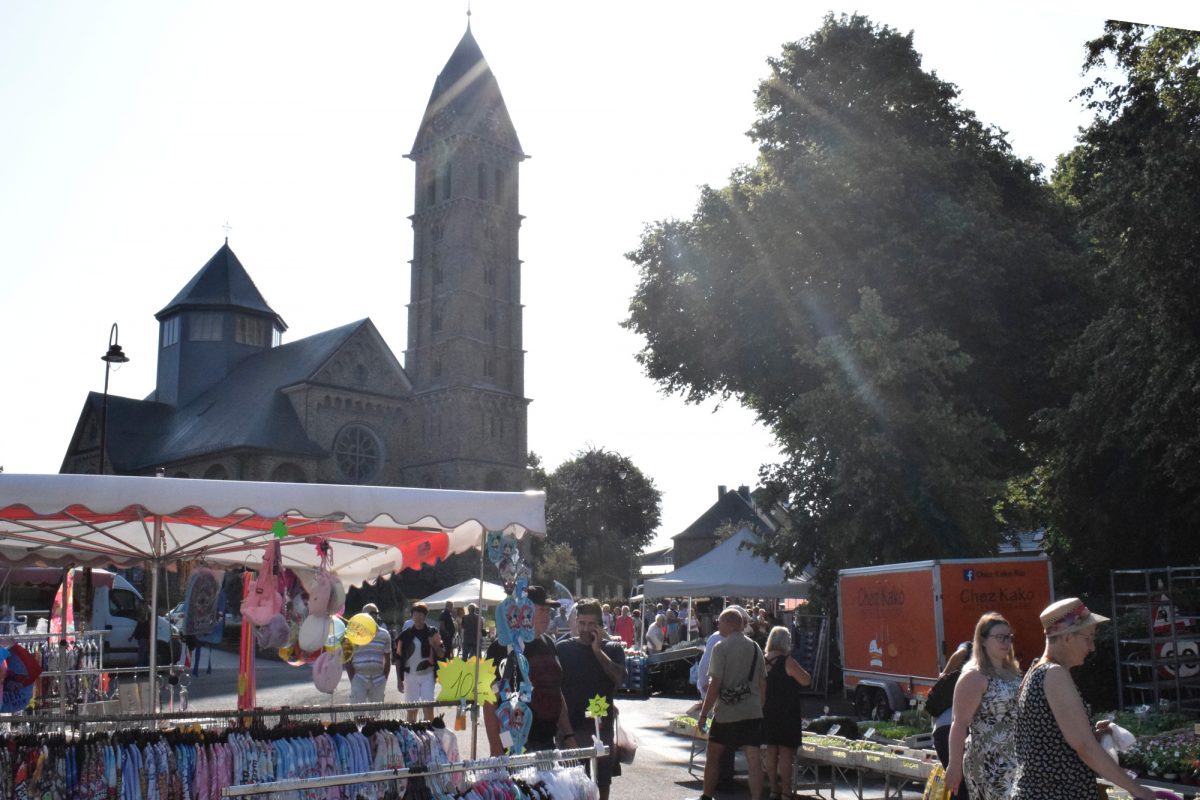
x=464 y=353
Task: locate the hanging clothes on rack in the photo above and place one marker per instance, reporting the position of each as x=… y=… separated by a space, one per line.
x=144 y=764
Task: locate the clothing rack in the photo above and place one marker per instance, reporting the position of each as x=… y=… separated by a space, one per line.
x=278 y=715
x=542 y=757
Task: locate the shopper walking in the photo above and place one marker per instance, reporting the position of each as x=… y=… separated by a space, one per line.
x=1058 y=749
x=985 y=707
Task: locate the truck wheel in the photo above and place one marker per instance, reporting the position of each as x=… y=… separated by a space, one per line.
x=864 y=701
x=883 y=708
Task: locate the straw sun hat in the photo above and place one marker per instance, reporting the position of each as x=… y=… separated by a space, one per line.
x=1068 y=615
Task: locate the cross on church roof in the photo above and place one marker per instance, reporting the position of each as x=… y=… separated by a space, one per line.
x=227 y=228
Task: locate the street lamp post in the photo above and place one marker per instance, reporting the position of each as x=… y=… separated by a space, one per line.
x=113 y=356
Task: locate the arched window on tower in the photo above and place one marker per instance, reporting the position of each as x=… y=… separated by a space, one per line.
x=500 y=186
x=446 y=181
x=437 y=320
x=489 y=368
x=482 y=182
x=431 y=191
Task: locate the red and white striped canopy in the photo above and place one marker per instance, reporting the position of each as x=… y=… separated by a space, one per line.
x=61 y=520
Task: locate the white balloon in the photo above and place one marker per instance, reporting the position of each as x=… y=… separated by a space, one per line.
x=313 y=631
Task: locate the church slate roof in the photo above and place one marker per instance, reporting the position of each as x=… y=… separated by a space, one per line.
x=465 y=89
x=247 y=409
x=222 y=283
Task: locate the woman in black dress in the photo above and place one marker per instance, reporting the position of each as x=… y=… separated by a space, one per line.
x=782 y=713
x=1058 y=752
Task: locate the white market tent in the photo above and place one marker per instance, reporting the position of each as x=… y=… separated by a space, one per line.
x=95 y=520
x=467 y=592
x=64 y=520
x=728 y=570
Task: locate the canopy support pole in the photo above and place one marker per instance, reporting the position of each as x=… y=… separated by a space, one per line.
x=639 y=635
x=478 y=642
x=68 y=597
x=153 y=623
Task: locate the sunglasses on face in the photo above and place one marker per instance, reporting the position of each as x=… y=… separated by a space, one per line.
x=1001 y=637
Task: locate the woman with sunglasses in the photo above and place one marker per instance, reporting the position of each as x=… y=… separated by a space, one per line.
x=985 y=704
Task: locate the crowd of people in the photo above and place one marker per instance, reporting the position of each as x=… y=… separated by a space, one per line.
x=1014 y=736
x=1008 y=735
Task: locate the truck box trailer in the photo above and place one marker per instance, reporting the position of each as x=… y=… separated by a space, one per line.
x=899 y=623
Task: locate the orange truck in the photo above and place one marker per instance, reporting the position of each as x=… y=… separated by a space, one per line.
x=898 y=623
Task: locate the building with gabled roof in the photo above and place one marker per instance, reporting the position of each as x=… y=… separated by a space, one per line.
x=232 y=401
x=734 y=509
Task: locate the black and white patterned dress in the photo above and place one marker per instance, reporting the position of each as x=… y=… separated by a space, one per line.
x=1047 y=767
x=989 y=758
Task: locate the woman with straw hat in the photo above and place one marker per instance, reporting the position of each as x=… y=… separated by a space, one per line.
x=1058 y=750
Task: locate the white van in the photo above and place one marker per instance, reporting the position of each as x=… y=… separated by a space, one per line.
x=27 y=595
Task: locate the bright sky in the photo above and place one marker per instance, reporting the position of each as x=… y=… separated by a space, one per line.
x=131 y=132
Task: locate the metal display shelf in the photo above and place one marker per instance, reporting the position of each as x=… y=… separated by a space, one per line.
x=1156 y=636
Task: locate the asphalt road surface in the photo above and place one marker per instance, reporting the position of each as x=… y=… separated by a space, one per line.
x=660 y=771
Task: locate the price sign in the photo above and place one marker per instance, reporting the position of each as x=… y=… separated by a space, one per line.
x=457 y=679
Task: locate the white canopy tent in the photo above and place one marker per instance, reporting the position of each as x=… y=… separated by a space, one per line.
x=64 y=520
x=728 y=570
x=95 y=520
x=471 y=590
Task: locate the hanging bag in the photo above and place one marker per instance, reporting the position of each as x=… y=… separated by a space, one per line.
x=264 y=601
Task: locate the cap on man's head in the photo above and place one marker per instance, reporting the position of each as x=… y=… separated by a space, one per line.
x=537 y=595
x=370 y=608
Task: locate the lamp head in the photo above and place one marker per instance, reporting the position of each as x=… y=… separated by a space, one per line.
x=114 y=355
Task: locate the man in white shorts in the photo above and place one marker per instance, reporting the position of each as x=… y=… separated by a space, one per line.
x=417 y=648
x=368 y=669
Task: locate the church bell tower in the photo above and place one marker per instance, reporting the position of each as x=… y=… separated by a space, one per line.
x=464 y=353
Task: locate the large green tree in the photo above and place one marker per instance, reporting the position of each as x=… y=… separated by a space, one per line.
x=886 y=287
x=604 y=509
x=1123 y=475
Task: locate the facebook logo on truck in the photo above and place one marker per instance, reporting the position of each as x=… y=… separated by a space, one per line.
x=968 y=575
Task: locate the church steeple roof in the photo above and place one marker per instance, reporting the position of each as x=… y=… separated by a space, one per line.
x=221 y=284
x=466 y=96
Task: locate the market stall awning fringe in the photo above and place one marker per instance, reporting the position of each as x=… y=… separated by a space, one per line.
x=61 y=520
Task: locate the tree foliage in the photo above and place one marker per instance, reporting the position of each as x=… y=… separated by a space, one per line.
x=604 y=510
x=557 y=562
x=1124 y=465
x=886 y=287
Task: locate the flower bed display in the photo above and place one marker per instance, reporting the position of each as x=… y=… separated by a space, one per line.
x=1173 y=757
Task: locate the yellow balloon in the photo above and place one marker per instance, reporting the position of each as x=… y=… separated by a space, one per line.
x=361 y=629
x=348 y=648
x=285 y=653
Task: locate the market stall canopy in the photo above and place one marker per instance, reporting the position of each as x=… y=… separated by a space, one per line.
x=729 y=569
x=466 y=592
x=60 y=520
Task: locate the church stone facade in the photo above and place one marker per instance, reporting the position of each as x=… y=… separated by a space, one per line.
x=233 y=402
